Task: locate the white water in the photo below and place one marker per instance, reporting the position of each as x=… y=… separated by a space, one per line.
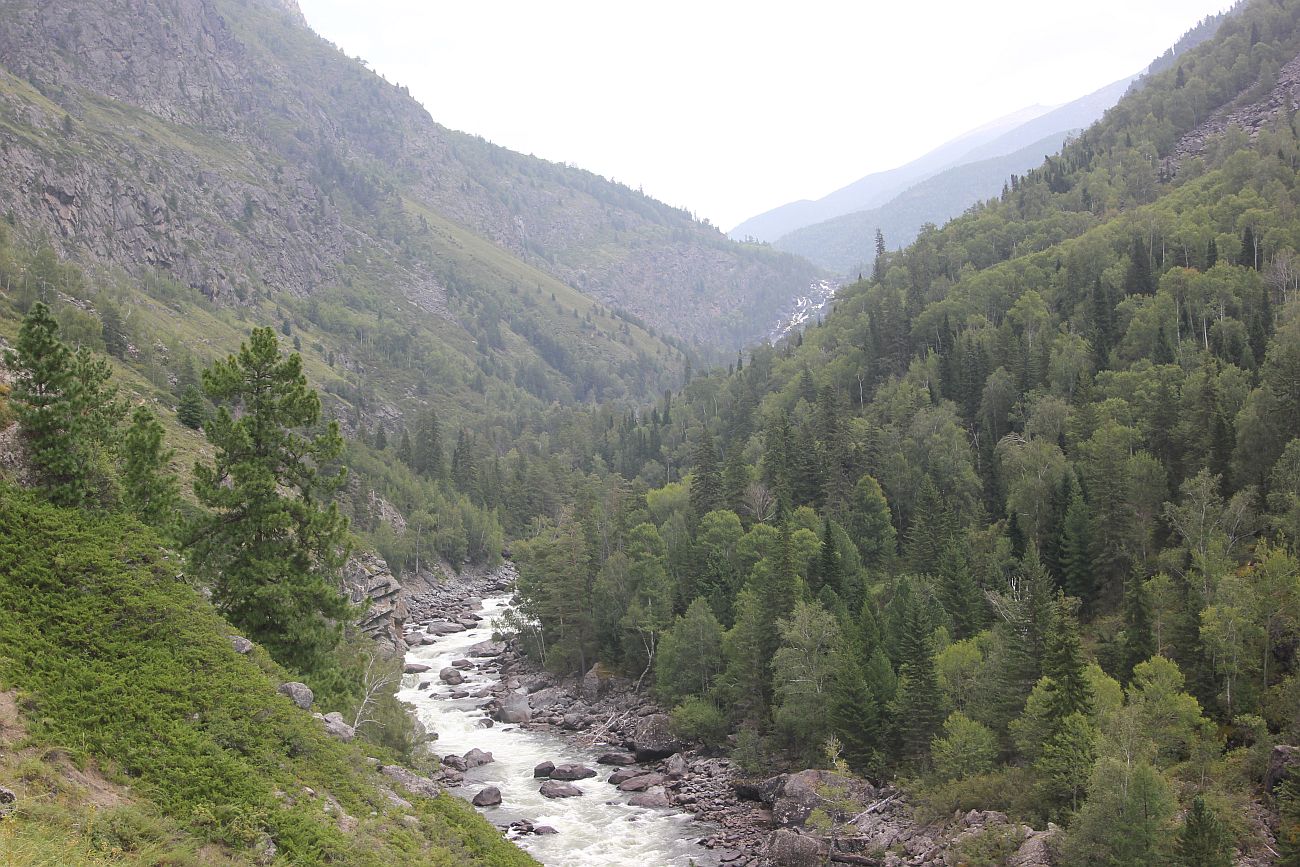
x=598 y=828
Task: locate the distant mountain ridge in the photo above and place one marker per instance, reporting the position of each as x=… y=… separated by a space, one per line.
x=879 y=187
x=845 y=244
x=998 y=138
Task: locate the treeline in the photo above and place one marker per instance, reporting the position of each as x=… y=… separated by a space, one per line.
x=1018 y=521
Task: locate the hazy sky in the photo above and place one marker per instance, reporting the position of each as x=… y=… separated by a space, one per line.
x=729 y=109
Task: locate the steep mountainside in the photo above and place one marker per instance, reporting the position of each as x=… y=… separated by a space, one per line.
x=226 y=143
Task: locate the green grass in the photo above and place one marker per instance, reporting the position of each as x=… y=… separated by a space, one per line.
x=121 y=663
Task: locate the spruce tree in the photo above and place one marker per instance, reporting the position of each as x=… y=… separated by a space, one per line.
x=735 y=480
x=1063 y=665
x=381 y=437
x=190 y=412
x=148 y=488
x=706 y=481
x=1203 y=841
x=854 y=713
x=959 y=592
x=273 y=543
x=1139 y=639
x=114 y=332
x=918 y=710
x=426 y=447
x=1077 y=556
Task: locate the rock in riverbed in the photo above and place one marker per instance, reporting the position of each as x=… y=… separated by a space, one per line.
x=489 y=797
x=572 y=772
x=554 y=789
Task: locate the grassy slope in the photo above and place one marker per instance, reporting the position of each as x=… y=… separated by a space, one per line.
x=121 y=665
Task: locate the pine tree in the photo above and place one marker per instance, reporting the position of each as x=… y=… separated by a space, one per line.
x=464 y=468
x=1203 y=841
x=826 y=571
x=405 y=451
x=148 y=488
x=66 y=409
x=271 y=547
x=854 y=713
x=190 y=411
x=381 y=437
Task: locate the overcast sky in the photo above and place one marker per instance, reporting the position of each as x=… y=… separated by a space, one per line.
x=729 y=109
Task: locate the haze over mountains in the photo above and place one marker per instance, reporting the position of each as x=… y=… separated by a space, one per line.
x=837 y=231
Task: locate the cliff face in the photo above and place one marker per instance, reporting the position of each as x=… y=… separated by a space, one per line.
x=224 y=141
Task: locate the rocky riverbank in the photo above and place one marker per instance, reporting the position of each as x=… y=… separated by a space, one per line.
x=805 y=818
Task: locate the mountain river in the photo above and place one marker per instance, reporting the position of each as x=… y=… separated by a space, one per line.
x=598 y=828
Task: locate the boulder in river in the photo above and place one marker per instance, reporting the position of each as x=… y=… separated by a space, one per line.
x=442 y=627
x=461 y=664
x=456 y=763
x=622 y=775
x=556 y=789
x=415 y=668
x=654 y=738
x=544 y=769
x=451 y=676
x=641 y=783
x=572 y=772
x=616 y=759
x=299 y=693
x=485 y=649
x=514 y=709
x=476 y=757
x=489 y=797
x=676 y=767
x=655 y=797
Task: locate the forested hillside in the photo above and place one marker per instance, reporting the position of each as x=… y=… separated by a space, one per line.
x=1018 y=522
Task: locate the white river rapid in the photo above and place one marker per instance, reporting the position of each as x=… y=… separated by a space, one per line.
x=598 y=828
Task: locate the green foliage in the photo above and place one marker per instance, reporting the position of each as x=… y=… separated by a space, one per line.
x=698 y=720
x=149 y=490
x=103 y=643
x=1203 y=841
x=191 y=412
x=965 y=749
x=273 y=544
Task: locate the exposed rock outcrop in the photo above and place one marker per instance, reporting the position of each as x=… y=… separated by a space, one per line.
x=368 y=582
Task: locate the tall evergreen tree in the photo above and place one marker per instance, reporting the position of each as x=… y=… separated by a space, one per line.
x=1139 y=637
x=1203 y=841
x=1063 y=665
x=1077 y=557
x=706 y=481
x=274 y=543
x=918 y=710
x=148 y=488
x=190 y=412
x=427 y=456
